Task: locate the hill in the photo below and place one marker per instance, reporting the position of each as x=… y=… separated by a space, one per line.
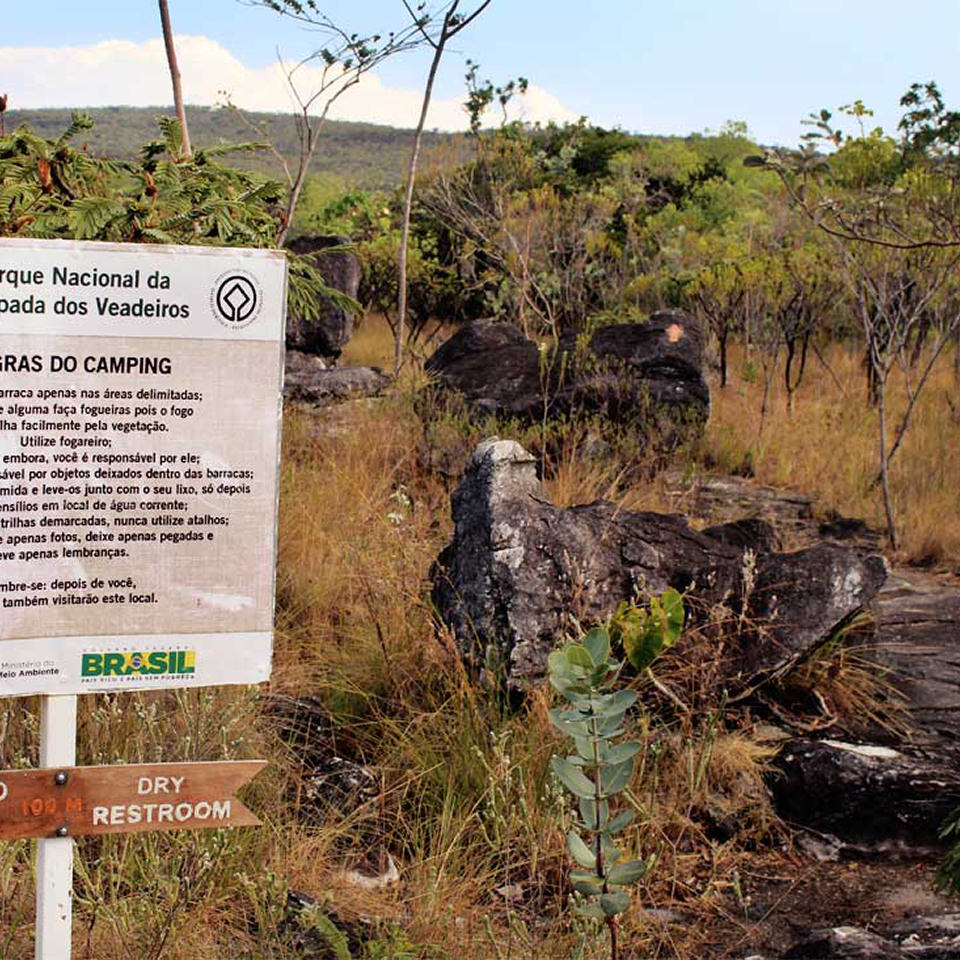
x=363 y=155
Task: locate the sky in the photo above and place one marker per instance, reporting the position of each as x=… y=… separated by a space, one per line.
x=645 y=66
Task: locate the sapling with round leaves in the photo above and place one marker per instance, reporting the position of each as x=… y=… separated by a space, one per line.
x=584 y=673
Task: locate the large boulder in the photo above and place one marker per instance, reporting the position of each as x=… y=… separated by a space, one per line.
x=870 y=796
x=329 y=332
x=520 y=570
x=918 y=639
x=644 y=378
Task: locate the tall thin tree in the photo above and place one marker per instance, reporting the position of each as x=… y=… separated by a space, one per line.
x=453 y=22
x=185 y=151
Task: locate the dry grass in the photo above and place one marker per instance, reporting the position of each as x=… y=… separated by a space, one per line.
x=464 y=805
x=828 y=448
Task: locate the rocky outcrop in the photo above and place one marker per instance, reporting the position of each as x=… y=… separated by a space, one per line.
x=917 y=938
x=519 y=569
x=307 y=379
x=645 y=378
x=798 y=598
x=329 y=332
x=843 y=943
x=722 y=498
x=918 y=639
x=873 y=797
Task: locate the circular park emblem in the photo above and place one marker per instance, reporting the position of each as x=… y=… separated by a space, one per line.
x=236 y=299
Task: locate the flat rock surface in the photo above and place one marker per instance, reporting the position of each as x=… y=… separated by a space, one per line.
x=866 y=794
x=918 y=638
x=308 y=379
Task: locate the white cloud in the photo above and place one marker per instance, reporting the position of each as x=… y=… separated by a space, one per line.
x=123 y=73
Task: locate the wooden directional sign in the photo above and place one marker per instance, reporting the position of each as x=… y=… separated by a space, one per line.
x=84 y=801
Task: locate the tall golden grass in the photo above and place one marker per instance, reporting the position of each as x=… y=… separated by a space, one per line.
x=464 y=805
x=828 y=447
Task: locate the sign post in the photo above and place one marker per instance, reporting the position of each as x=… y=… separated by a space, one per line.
x=140 y=403
x=58 y=748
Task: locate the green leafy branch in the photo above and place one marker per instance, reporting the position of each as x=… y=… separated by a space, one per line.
x=584 y=674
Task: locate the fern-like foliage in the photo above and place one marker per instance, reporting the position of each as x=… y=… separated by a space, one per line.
x=50 y=189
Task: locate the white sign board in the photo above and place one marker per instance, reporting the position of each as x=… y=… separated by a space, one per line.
x=140 y=401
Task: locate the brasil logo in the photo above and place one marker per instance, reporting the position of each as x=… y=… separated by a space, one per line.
x=157 y=663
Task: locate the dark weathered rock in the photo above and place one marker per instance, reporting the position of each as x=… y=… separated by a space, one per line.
x=797 y=595
x=929 y=937
x=719 y=498
x=519 y=568
x=493 y=366
x=329 y=333
x=308 y=379
x=645 y=378
x=328 y=781
x=918 y=637
x=850 y=530
x=865 y=794
x=750 y=533
x=843 y=943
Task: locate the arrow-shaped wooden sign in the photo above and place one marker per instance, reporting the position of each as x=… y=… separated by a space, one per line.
x=84 y=801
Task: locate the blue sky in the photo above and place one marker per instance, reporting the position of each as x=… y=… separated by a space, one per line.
x=643 y=65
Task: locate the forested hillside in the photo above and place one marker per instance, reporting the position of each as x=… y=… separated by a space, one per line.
x=622 y=620
x=359 y=154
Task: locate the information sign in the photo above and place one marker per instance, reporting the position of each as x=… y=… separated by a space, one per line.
x=140 y=400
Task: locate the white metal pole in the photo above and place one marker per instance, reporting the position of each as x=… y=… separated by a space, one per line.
x=58 y=748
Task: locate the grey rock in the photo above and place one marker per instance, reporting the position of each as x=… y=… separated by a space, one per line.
x=341 y=269
x=519 y=568
x=799 y=597
x=719 y=498
x=843 y=943
x=945 y=926
x=918 y=637
x=867 y=794
x=308 y=379
x=646 y=378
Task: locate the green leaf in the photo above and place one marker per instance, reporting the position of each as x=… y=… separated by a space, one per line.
x=556 y=664
x=611 y=852
x=579 y=656
x=622 y=751
x=597 y=642
x=626 y=873
x=621 y=820
x=616 y=777
x=591 y=910
x=580 y=851
x=572 y=778
x=615 y=705
x=646 y=635
x=584 y=747
x=671 y=603
x=564 y=721
x=608 y=729
x=586 y=883
x=613 y=903
x=589 y=810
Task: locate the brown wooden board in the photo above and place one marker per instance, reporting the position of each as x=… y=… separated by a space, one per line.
x=136 y=798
